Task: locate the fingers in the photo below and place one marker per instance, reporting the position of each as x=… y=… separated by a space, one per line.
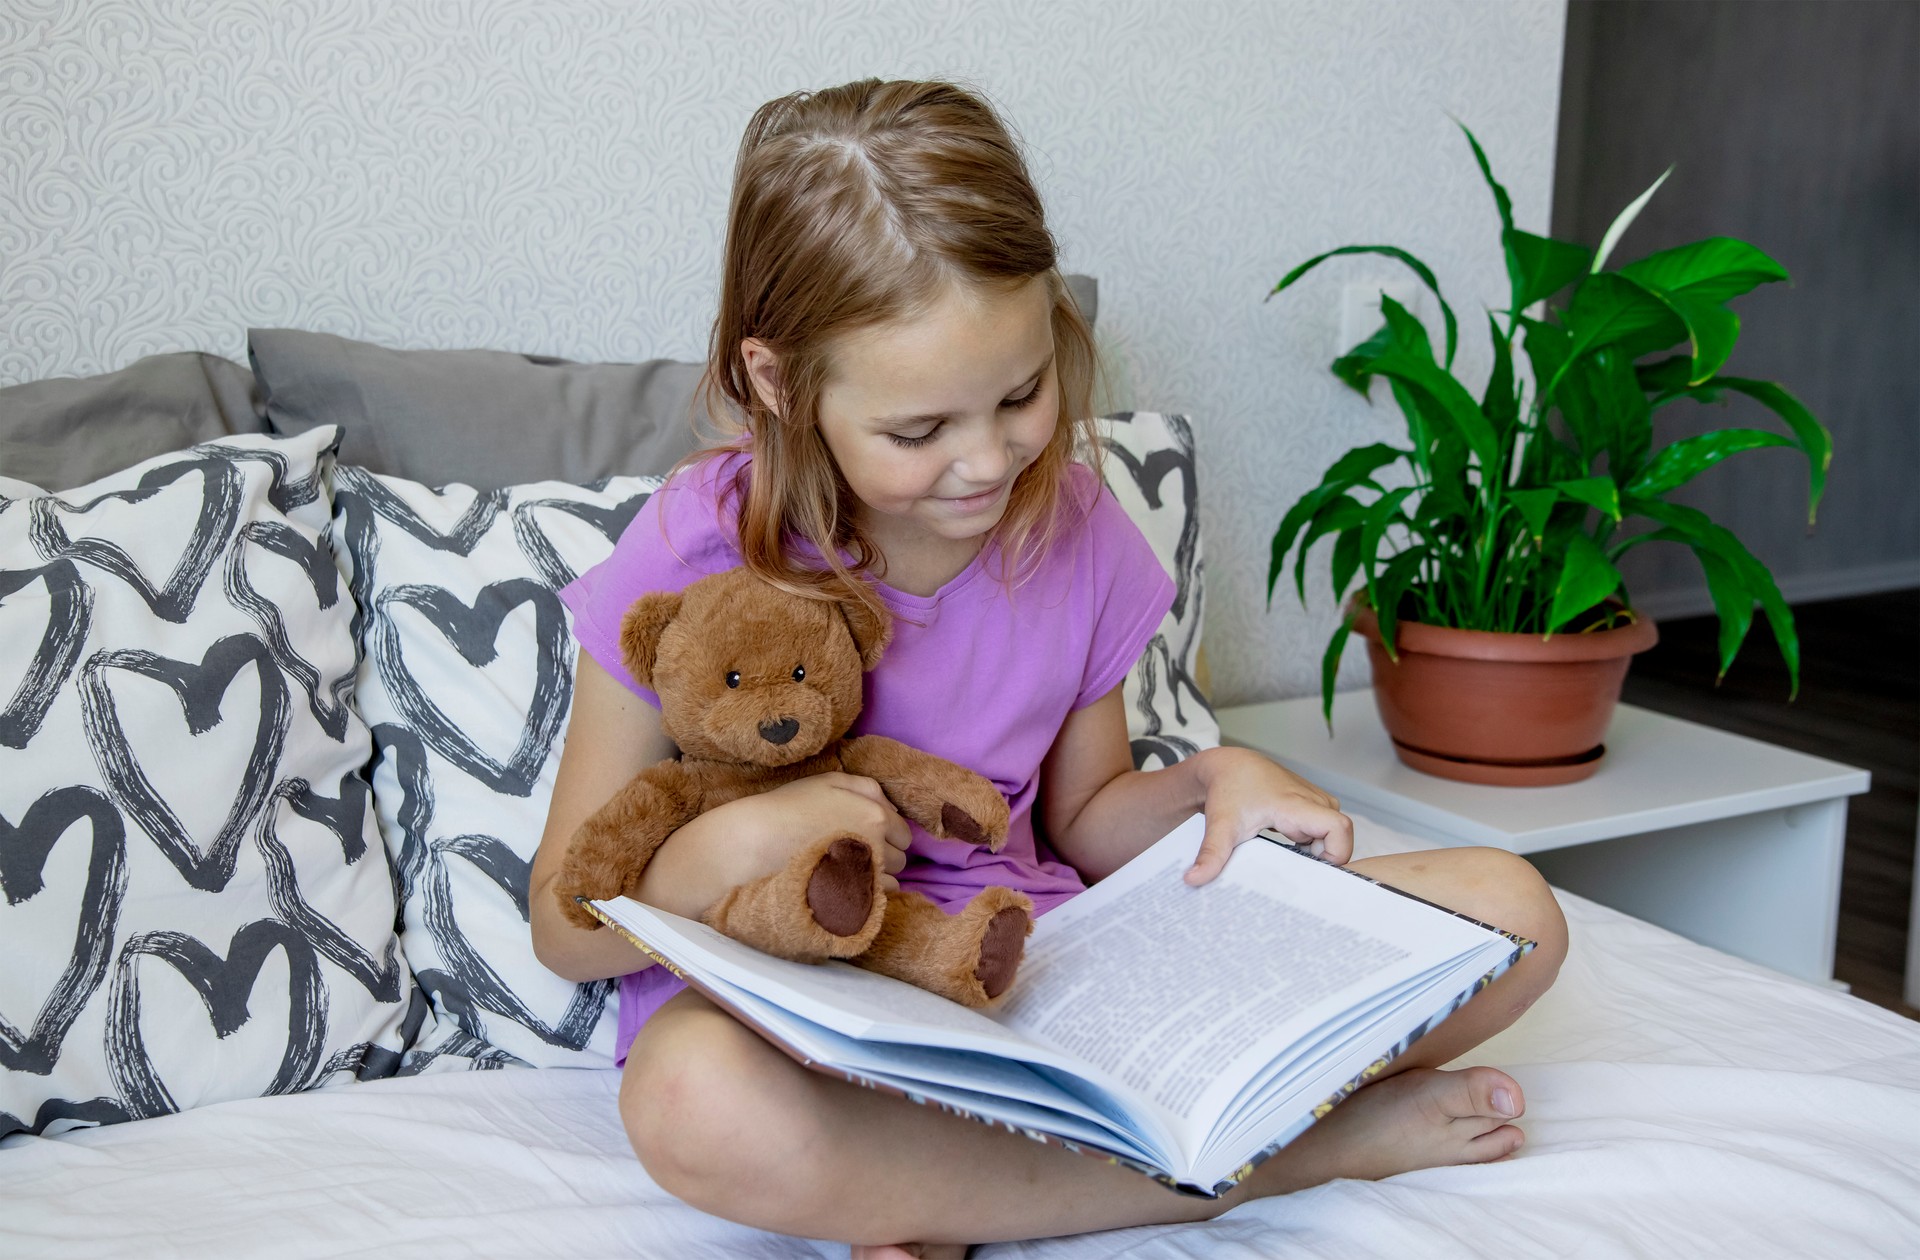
x=1215 y=848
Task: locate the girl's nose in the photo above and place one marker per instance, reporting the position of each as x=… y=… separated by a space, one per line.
x=988 y=459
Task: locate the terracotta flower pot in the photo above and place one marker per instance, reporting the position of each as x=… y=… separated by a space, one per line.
x=1512 y=709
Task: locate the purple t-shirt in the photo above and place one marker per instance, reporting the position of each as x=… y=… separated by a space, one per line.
x=982 y=673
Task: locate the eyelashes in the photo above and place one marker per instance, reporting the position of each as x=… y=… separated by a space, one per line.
x=1015 y=404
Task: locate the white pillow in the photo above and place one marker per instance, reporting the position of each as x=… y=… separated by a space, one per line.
x=466 y=682
x=197 y=906
x=1150 y=469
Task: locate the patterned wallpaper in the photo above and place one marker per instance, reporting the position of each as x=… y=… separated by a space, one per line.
x=553 y=177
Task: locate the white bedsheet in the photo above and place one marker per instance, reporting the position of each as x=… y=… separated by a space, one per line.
x=1680 y=1103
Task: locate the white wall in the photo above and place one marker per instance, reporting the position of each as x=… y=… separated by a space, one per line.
x=552 y=178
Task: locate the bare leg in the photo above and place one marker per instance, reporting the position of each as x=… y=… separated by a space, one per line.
x=732 y=1126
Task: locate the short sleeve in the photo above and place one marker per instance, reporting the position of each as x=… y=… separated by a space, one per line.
x=1131 y=594
x=678 y=537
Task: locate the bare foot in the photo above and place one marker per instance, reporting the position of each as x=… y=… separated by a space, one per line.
x=1420 y=1118
x=912 y=1251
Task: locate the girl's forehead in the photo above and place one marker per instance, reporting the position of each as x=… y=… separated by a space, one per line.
x=966 y=340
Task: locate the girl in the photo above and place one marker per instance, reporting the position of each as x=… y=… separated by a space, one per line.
x=912 y=383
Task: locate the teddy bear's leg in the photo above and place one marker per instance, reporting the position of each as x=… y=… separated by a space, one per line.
x=969 y=957
x=825 y=903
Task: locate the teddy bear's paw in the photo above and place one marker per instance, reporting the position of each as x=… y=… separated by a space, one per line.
x=573 y=911
x=840 y=891
x=825 y=903
x=1000 y=949
x=979 y=816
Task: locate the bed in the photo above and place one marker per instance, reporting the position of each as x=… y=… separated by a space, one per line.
x=455 y=1099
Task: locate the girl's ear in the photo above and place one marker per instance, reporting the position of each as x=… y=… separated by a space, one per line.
x=640 y=632
x=871 y=627
x=763 y=372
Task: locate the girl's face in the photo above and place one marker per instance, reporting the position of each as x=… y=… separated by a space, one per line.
x=930 y=419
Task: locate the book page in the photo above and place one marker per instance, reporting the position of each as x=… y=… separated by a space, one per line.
x=1184 y=993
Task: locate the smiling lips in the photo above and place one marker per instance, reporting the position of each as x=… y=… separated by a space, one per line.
x=975 y=503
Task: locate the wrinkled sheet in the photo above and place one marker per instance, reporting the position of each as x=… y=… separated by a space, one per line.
x=1680 y=1103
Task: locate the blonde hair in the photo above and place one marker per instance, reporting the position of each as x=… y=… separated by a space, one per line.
x=852 y=207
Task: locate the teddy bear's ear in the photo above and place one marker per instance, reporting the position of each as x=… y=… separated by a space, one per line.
x=871 y=626
x=640 y=632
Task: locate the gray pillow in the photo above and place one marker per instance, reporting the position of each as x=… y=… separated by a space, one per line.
x=1086 y=292
x=489 y=418
x=68 y=431
x=484 y=418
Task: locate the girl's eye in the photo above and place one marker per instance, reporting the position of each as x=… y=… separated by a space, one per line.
x=1028 y=399
x=733 y=678
x=799 y=673
x=900 y=439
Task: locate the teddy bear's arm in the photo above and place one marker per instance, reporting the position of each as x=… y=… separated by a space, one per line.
x=613 y=846
x=950 y=801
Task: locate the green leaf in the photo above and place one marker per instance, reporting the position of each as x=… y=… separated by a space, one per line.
x=1698 y=531
x=1624 y=220
x=1351 y=367
x=1609 y=310
x=1501 y=403
x=1681 y=461
x=1343 y=512
x=1346 y=561
x=1540 y=266
x=1330 y=667
x=1710 y=326
x=1621 y=411
x=1411 y=362
x=1714 y=270
x=1388 y=590
x=1814 y=438
x=1534 y=507
x=1352 y=469
x=1501 y=201
x=1587 y=578
x=1596 y=492
x=1732 y=601
x=1381 y=516
x=1418 y=268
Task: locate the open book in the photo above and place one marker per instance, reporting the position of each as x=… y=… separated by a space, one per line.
x=1187 y=1033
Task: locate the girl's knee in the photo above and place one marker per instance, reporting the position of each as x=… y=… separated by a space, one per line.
x=1521 y=901
x=715 y=1117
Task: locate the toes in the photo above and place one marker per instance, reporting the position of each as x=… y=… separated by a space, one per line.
x=1480 y=1091
x=1497 y=1144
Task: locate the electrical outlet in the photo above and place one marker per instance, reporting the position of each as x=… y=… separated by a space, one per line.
x=1360 y=314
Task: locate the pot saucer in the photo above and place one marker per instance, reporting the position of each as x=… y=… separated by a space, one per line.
x=1545 y=773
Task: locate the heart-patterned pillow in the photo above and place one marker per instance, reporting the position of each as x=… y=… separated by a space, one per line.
x=1150 y=469
x=194 y=903
x=466 y=683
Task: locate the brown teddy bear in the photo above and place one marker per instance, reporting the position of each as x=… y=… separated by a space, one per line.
x=758 y=687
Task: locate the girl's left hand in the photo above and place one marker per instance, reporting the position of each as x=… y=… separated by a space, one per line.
x=1245 y=792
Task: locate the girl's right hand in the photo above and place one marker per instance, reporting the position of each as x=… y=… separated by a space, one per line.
x=755 y=836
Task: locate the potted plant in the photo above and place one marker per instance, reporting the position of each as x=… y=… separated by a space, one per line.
x=1489 y=593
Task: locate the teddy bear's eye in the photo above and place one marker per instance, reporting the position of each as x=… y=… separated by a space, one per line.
x=733 y=678
x=799 y=673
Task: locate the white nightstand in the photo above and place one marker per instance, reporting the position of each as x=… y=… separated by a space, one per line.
x=1720 y=838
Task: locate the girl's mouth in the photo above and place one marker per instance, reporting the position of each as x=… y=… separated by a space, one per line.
x=973 y=504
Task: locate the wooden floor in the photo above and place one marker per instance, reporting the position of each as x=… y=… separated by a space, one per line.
x=1859 y=703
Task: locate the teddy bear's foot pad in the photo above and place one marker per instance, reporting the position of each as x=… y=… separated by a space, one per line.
x=960 y=825
x=1000 y=950
x=840 y=891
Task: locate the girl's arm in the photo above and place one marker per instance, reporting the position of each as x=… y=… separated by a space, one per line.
x=1099 y=812
x=612 y=734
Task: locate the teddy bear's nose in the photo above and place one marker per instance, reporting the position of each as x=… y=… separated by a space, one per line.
x=779 y=732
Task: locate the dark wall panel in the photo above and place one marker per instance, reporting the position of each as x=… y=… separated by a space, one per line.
x=1793 y=124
